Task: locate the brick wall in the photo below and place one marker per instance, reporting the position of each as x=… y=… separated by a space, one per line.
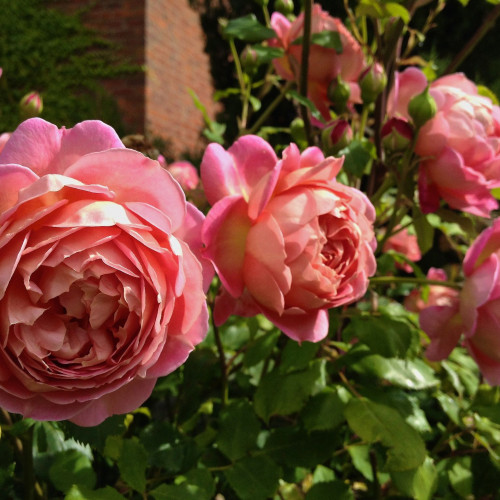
x=166 y=37
x=176 y=61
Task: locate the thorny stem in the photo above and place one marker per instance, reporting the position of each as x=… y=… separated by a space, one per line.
x=304 y=67
x=487 y=24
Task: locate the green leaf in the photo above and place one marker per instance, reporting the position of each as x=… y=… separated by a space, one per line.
x=254 y=478
x=409 y=374
x=72 y=467
x=460 y=476
x=132 y=464
x=283 y=394
x=248 y=28
x=419 y=483
x=81 y=493
x=266 y=54
x=423 y=230
x=261 y=348
x=307 y=103
x=374 y=422
x=360 y=455
x=394 y=9
x=297 y=356
x=197 y=484
x=327 y=39
x=294 y=447
x=358 y=156
x=383 y=335
x=325 y=410
x=238 y=431
x=332 y=489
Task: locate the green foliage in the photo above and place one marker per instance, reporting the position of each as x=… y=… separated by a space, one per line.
x=54 y=54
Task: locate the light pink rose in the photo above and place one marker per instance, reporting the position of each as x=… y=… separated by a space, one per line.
x=100 y=292
x=185 y=174
x=324 y=64
x=438 y=295
x=459 y=146
x=475 y=314
x=286 y=238
x=406 y=244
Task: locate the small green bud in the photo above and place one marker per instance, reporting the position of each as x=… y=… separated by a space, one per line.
x=339 y=93
x=285 y=7
x=372 y=82
x=249 y=60
x=298 y=132
x=422 y=108
x=30 y=105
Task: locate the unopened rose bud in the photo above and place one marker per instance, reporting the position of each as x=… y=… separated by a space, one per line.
x=31 y=105
x=298 y=132
x=339 y=93
x=372 y=82
x=249 y=60
x=422 y=108
x=285 y=7
x=336 y=136
x=396 y=134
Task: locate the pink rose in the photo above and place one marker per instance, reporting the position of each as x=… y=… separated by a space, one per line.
x=100 y=293
x=459 y=146
x=185 y=174
x=324 y=64
x=286 y=238
x=438 y=295
x=475 y=314
x=406 y=244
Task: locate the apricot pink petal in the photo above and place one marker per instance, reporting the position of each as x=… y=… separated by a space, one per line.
x=224 y=235
x=13 y=178
x=121 y=169
x=442 y=325
x=300 y=325
x=477 y=291
x=45 y=149
x=486 y=243
x=407 y=84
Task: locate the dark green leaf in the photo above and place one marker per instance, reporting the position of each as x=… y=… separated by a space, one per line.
x=424 y=231
x=325 y=410
x=239 y=428
x=254 y=478
x=283 y=394
x=419 y=483
x=409 y=374
x=374 y=422
x=248 y=28
x=332 y=489
x=81 y=493
x=266 y=54
x=72 y=467
x=261 y=348
x=297 y=356
x=460 y=476
x=307 y=103
x=385 y=336
x=197 y=484
x=132 y=464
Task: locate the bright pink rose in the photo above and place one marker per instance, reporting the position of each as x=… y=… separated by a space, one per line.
x=324 y=64
x=100 y=293
x=475 y=314
x=406 y=244
x=459 y=146
x=438 y=295
x=286 y=238
x=185 y=174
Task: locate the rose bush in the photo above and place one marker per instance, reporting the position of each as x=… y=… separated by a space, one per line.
x=325 y=64
x=287 y=240
x=459 y=147
x=475 y=313
x=100 y=292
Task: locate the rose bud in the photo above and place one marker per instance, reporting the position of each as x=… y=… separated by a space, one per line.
x=249 y=60
x=339 y=93
x=31 y=105
x=285 y=7
x=372 y=82
x=422 y=108
x=396 y=134
x=336 y=136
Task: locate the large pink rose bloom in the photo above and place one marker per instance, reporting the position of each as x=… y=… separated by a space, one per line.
x=100 y=293
x=475 y=313
x=324 y=64
x=459 y=146
x=286 y=238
